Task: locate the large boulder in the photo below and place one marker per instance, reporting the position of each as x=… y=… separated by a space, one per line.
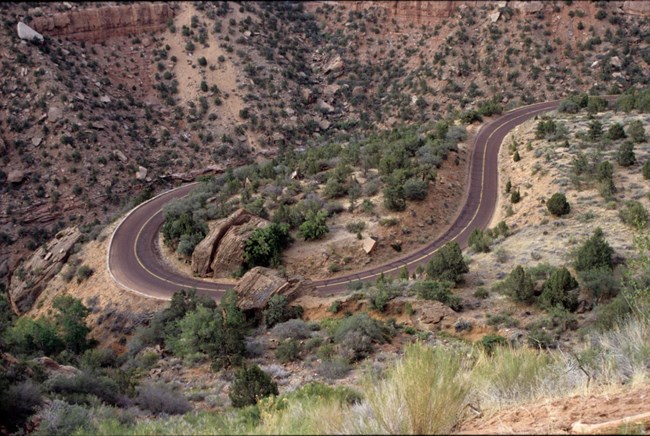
x=205 y=253
x=15 y=176
x=27 y=33
x=230 y=251
x=31 y=278
x=528 y=7
x=54 y=369
x=258 y=285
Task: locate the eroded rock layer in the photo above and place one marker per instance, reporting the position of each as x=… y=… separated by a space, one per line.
x=98 y=24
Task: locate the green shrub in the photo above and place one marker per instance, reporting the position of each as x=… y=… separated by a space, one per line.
x=490 y=342
x=595 y=252
x=381 y=296
x=394 y=198
x=559 y=290
x=646 y=169
x=415 y=189
x=600 y=282
x=77 y=388
x=558 y=205
x=519 y=285
x=18 y=402
x=480 y=241
x=438 y=291
x=314 y=227
x=160 y=398
x=250 y=385
x=288 y=351
x=516 y=157
x=545 y=128
x=278 y=311
x=595 y=131
x=613 y=313
x=355 y=227
x=70 y=321
x=357 y=334
x=335 y=306
x=83 y=272
x=426 y=392
x=447 y=264
x=616 y=132
x=481 y=293
x=625 y=156
x=605 y=171
x=636 y=131
x=634 y=214
x=61 y=418
x=218 y=333
x=264 y=246
x=515 y=196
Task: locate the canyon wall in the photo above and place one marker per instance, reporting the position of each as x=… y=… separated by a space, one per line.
x=98 y=24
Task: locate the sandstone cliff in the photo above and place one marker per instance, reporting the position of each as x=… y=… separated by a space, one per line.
x=98 y=24
x=32 y=277
x=221 y=252
x=432 y=12
x=260 y=284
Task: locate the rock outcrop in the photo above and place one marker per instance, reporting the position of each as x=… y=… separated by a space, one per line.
x=636 y=8
x=258 y=285
x=53 y=368
x=29 y=280
x=221 y=252
x=98 y=24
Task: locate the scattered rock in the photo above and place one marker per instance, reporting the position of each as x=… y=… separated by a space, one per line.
x=494 y=17
x=528 y=7
x=358 y=90
x=54 y=114
x=368 y=245
x=121 y=156
x=105 y=99
x=27 y=33
x=28 y=281
x=141 y=174
x=616 y=62
x=307 y=95
x=258 y=285
x=36 y=140
x=330 y=90
x=324 y=124
x=336 y=65
x=326 y=106
x=15 y=176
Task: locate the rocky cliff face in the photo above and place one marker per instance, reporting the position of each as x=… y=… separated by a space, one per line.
x=32 y=277
x=221 y=252
x=98 y=24
x=416 y=12
x=431 y=12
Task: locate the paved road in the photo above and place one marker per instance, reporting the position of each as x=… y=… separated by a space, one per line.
x=135 y=263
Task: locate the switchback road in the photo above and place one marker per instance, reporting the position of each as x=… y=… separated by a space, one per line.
x=135 y=263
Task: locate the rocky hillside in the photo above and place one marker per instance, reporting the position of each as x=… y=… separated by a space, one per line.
x=119 y=101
